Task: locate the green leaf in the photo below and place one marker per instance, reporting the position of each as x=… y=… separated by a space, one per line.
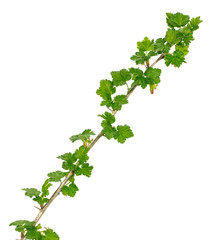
x=69 y=160
x=34 y=234
x=31 y=192
x=177 y=58
x=172 y=36
x=177 y=20
x=120 y=77
x=160 y=46
x=21 y=225
x=56 y=176
x=51 y=235
x=183 y=48
x=145 y=45
x=153 y=75
x=194 y=23
x=81 y=154
x=108 y=130
x=85 y=169
x=41 y=200
x=106 y=89
x=45 y=187
x=123 y=133
x=119 y=100
x=139 y=58
x=69 y=190
x=108 y=118
x=82 y=136
x=185 y=35
x=135 y=72
x=107 y=103
x=141 y=81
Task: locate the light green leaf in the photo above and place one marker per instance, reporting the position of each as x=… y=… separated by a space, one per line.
x=45 y=187
x=31 y=192
x=119 y=100
x=194 y=23
x=81 y=154
x=120 y=77
x=56 y=176
x=69 y=160
x=172 y=36
x=82 y=136
x=139 y=58
x=145 y=45
x=106 y=89
x=51 y=235
x=123 y=133
x=69 y=190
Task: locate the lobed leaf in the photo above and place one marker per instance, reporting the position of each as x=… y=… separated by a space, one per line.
x=119 y=100
x=120 y=77
x=56 y=176
x=69 y=160
x=145 y=45
x=82 y=136
x=85 y=169
x=31 y=192
x=177 y=20
x=177 y=58
x=153 y=75
x=123 y=133
x=106 y=89
x=69 y=190
x=81 y=154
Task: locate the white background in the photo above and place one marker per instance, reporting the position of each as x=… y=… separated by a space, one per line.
x=162 y=184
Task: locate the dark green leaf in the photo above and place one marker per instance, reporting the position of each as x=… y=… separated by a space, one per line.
x=119 y=100
x=185 y=35
x=135 y=72
x=106 y=89
x=31 y=192
x=123 y=132
x=161 y=47
x=85 y=169
x=120 y=77
x=177 y=19
x=56 y=176
x=141 y=81
x=51 y=235
x=153 y=75
x=82 y=136
x=139 y=57
x=145 y=45
x=69 y=190
x=177 y=58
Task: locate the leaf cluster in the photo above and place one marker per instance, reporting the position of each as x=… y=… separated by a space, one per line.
x=33 y=232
